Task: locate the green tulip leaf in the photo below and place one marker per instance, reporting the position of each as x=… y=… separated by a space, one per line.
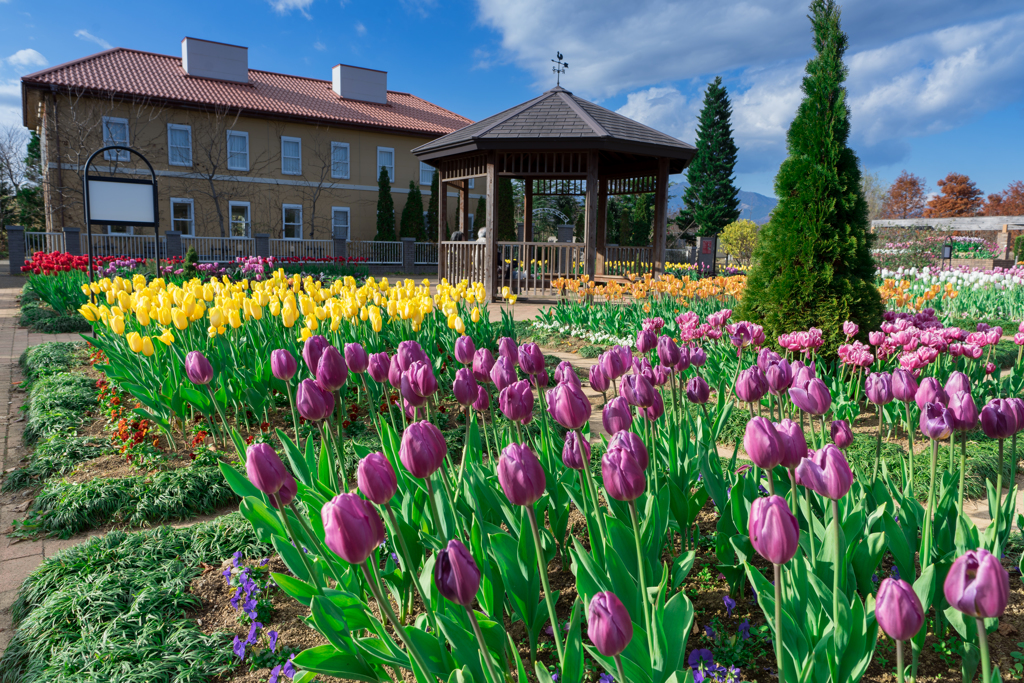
x=328 y=660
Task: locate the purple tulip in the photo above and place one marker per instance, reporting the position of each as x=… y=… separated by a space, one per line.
x=356 y=358
x=516 y=401
x=761 y=442
x=815 y=400
x=850 y=329
x=409 y=352
x=531 y=359
x=623 y=476
x=842 y=435
x=645 y=341
x=264 y=468
x=541 y=379
x=565 y=373
x=331 y=372
x=826 y=472
x=904 y=386
x=599 y=380
x=998 y=420
x=977 y=584
x=963 y=411
x=312 y=349
x=198 y=369
x=668 y=351
x=422 y=450
x=352 y=528
x=642 y=366
x=608 y=624
x=779 y=376
x=957 y=381
x=611 y=364
x=930 y=391
x=503 y=373
x=376 y=478
x=421 y=377
x=802 y=375
x=792 y=442
x=483 y=361
x=638 y=391
x=1017 y=406
x=312 y=402
x=751 y=385
x=283 y=364
x=616 y=415
x=878 y=388
x=483 y=399
x=936 y=421
x=684 y=359
x=697 y=390
x=464 y=387
x=698 y=357
x=408 y=393
x=465 y=349
x=773 y=529
x=632 y=445
x=380 y=364
x=507 y=348
x=625 y=355
x=898 y=610
x=455 y=573
x=520 y=475
x=766 y=358
x=661 y=375
x=576 y=451
x=876 y=338
x=395 y=373
x=286 y=493
x=568 y=406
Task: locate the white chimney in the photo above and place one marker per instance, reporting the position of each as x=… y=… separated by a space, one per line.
x=357 y=83
x=207 y=59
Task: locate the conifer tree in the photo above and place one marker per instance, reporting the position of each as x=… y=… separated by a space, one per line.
x=711 y=199
x=385 y=209
x=813 y=264
x=412 y=214
x=506 y=217
x=432 y=208
x=479 y=219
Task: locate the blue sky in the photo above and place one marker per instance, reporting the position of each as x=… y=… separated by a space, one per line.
x=935 y=85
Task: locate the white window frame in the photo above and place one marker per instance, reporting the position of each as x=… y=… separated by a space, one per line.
x=115 y=154
x=191 y=211
x=248 y=217
x=347 y=172
x=471 y=183
x=128 y=230
x=284 y=171
x=284 y=211
x=426 y=168
x=348 y=213
x=245 y=136
x=391 y=168
x=170 y=156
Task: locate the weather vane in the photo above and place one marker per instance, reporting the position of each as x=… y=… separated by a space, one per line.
x=559 y=68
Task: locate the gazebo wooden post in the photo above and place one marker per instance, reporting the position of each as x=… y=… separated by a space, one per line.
x=464 y=225
x=490 y=273
x=602 y=225
x=442 y=218
x=591 y=208
x=660 y=217
x=528 y=210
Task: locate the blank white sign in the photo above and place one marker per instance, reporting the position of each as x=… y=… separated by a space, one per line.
x=111 y=202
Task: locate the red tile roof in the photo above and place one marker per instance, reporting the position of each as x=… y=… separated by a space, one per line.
x=132 y=73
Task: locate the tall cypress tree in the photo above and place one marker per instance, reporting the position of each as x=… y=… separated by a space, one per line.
x=385 y=209
x=711 y=198
x=813 y=264
x=479 y=219
x=506 y=217
x=432 y=208
x=412 y=214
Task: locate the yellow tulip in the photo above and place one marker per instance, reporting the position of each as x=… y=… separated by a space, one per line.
x=117 y=324
x=475 y=314
x=147 y=346
x=234 y=319
x=88 y=313
x=135 y=342
x=288 y=316
x=164 y=315
x=179 y=318
x=460 y=326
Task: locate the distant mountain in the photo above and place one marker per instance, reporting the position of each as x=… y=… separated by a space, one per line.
x=753 y=206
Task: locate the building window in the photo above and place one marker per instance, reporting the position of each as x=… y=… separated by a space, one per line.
x=339 y=160
x=120 y=229
x=471 y=183
x=179 y=145
x=238 y=150
x=469 y=227
x=239 y=215
x=340 y=223
x=291 y=156
x=292 y=220
x=115 y=132
x=426 y=174
x=386 y=159
x=183 y=217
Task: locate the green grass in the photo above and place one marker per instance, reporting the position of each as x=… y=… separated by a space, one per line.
x=63 y=508
x=58 y=404
x=39 y=316
x=113 y=608
x=54 y=455
x=50 y=358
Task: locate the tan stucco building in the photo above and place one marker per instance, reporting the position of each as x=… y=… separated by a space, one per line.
x=237 y=151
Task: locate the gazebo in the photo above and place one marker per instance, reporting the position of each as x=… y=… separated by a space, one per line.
x=559 y=144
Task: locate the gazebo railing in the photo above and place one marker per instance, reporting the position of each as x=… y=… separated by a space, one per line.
x=458 y=261
x=620 y=260
x=530 y=268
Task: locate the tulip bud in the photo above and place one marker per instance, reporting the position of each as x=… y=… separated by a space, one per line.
x=507 y=348
x=850 y=329
x=283 y=364
x=264 y=468
x=565 y=373
x=633 y=446
x=483 y=399
x=904 y=386
x=568 y=406
x=422 y=450
x=576 y=451
x=531 y=359
x=751 y=385
x=1017 y=407
x=409 y=352
x=936 y=421
x=842 y=435
x=608 y=624
x=815 y=400
x=698 y=357
x=198 y=369
x=483 y=361
x=520 y=475
x=331 y=372
x=286 y=493
x=616 y=415
x=541 y=379
x=998 y=420
x=503 y=373
x=963 y=411
x=625 y=355
x=638 y=391
x=761 y=442
x=409 y=394
x=376 y=478
x=930 y=391
x=356 y=358
x=352 y=528
x=668 y=351
x=792 y=442
x=622 y=475
x=957 y=381
x=312 y=349
x=773 y=529
x=379 y=366
x=464 y=387
x=612 y=364
x=826 y=472
x=599 y=380
x=876 y=338
x=421 y=379
x=779 y=376
x=661 y=375
x=697 y=390
x=455 y=573
x=464 y=350
x=878 y=388
x=684 y=359
x=977 y=584
x=516 y=400
x=312 y=402
x=766 y=358
x=645 y=341
x=395 y=372
x=898 y=610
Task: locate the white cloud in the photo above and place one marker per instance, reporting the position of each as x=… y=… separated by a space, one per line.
x=286 y=6
x=85 y=35
x=319 y=46
x=10 y=103
x=420 y=7
x=26 y=58
x=665 y=109
x=360 y=28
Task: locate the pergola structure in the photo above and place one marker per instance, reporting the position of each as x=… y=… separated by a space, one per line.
x=558 y=144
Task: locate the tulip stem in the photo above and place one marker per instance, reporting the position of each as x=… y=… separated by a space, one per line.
x=597 y=506
x=1013 y=457
x=298 y=546
x=878 y=445
x=899 y=661
x=223 y=420
x=778 y=618
x=484 y=652
x=837 y=568
x=385 y=608
x=320 y=549
x=986 y=663
x=375 y=579
x=552 y=615
x=910 y=438
x=433 y=506
x=407 y=562
x=640 y=572
x=999 y=506
x=963 y=471
x=618 y=669
x=295 y=415
x=369 y=408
